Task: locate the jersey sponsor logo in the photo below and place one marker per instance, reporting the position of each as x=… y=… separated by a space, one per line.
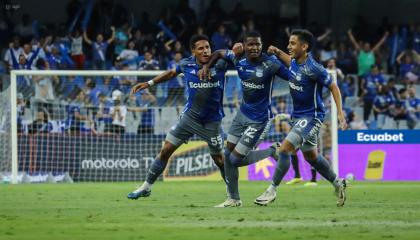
x=253 y=85
x=295 y=87
x=193 y=71
x=204 y=85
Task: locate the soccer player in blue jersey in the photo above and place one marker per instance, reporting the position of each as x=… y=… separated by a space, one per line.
x=306 y=81
x=202 y=114
x=256 y=71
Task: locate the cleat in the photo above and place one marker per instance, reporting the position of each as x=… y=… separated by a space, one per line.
x=276 y=154
x=310 y=184
x=139 y=193
x=267 y=197
x=230 y=203
x=340 y=192
x=294 y=181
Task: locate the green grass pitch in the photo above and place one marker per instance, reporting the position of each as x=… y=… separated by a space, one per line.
x=183 y=210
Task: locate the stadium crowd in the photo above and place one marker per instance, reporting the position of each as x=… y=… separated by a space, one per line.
x=378 y=66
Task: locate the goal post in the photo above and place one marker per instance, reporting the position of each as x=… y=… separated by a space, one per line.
x=334 y=126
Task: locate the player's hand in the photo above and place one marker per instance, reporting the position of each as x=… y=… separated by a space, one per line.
x=272 y=50
x=349 y=32
x=342 y=121
x=204 y=73
x=11 y=45
x=138 y=87
x=238 y=49
x=112 y=28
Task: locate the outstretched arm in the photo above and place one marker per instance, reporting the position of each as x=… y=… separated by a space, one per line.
x=353 y=40
x=284 y=57
x=379 y=44
x=163 y=77
x=337 y=99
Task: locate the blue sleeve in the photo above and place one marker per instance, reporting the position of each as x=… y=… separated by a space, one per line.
x=321 y=74
x=180 y=67
x=221 y=65
x=282 y=71
x=229 y=55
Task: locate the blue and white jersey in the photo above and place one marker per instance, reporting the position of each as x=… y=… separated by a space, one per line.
x=257 y=83
x=205 y=98
x=306 y=81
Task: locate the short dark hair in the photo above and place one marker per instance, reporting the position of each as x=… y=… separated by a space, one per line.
x=251 y=34
x=304 y=36
x=198 y=37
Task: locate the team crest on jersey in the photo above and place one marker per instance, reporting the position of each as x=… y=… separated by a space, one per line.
x=259 y=72
x=298 y=76
x=212 y=72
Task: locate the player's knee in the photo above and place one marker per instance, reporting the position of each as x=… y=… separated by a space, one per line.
x=218 y=159
x=235 y=159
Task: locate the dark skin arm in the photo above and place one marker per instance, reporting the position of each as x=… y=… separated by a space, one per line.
x=163 y=77
x=202 y=73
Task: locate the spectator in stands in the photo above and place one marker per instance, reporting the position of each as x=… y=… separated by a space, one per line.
x=129 y=55
x=392 y=91
x=381 y=106
x=176 y=48
x=369 y=85
x=118 y=113
x=355 y=122
x=76 y=49
x=122 y=35
x=41 y=123
x=15 y=50
x=44 y=91
x=75 y=116
x=144 y=101
x=149 y=63
x=403 y=111
x=20 y=107
x=220 y=39
x=103 y=116
x=365 y=54
x=176 y=85
x=329 y=52
x=414 y=103
x=99 y=48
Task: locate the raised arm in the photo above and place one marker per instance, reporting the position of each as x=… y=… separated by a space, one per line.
x=86 y=38
x=379 y=44
x=111 y=39
x=353 y=40
x=337 y=99
x=284 y=57
x=163 y=77
x=399 y=58
x=323 y=36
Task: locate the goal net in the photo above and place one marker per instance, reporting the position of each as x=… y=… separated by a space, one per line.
x=85 y=126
